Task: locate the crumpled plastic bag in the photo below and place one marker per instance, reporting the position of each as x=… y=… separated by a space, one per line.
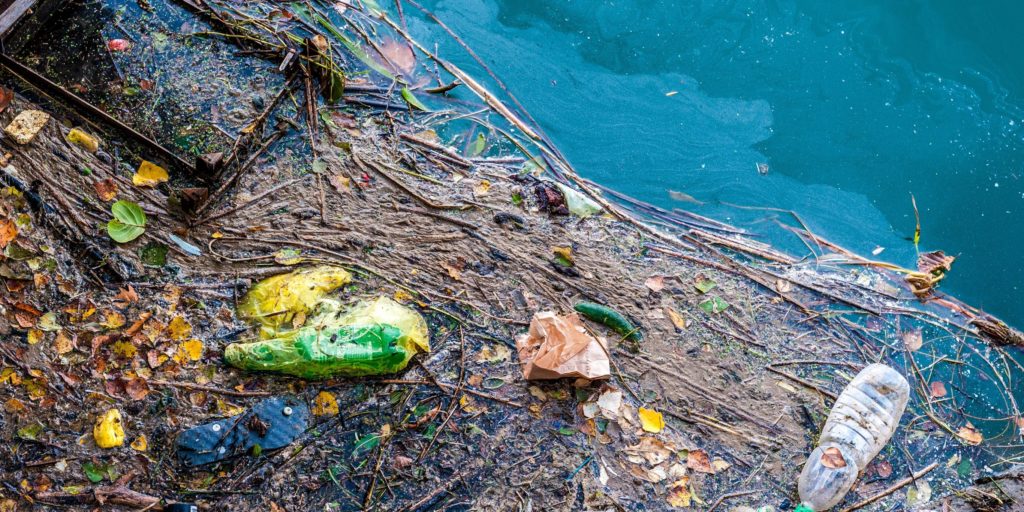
x=276 y=301
x=558 y=346
x=371 y=338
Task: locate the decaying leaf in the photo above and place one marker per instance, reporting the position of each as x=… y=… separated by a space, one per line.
x=970 y=435
x=399 y=55
x=935 y=263
x=563 y=255
x=677 y=320
x=179 y=328
x=325 y=404
x=106 y=189
x=937 y=389
x=26 y=125
x=8 y=232
x=679 y=495
x=913 y=339
x=655 y=283
x=140 y=444
x=833 y=458
x=699 y=461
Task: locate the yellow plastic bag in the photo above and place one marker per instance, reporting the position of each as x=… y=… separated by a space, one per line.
x=274 y=302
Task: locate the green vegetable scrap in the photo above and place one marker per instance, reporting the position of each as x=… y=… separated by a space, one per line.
x=607 y=316
x=369 y=339
x=274 y=302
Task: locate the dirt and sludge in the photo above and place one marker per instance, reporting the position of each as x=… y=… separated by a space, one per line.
x=435 y=195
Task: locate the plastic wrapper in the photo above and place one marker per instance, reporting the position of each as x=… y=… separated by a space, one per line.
x=372 y=338
x=276 y=301
x=861 y=422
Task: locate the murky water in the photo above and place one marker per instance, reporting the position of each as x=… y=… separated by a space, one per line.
x=853 y=106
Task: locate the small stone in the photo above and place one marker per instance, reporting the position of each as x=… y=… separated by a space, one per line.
x=26 y=125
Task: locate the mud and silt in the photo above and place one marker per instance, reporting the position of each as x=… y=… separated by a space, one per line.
x=477 y=246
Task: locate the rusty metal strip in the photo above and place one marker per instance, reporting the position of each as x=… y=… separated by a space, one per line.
x=53 y=89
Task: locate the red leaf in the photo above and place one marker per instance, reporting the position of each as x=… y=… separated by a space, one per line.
x=118 y=45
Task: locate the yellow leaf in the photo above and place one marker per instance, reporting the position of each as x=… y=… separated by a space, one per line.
x=679 y=495
x=229 y=409
x=482 y=188
x=83 y=140
x=217 y=235
x=192 y=350
x=149 y=175
x=140 y=444
x=10 y=375
x=34 y=336
x=113 y=320
x=652 y=421
x=108 y=431
x=179 y=329
x=565 y=253
x=402 y=295
x=325 y=404
x=125 y=349
x=677 y=320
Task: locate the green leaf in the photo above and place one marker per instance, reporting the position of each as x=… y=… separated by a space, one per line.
x=30 y=432
x=412 y=100
x=336 y=91
x=478 y=146
x=365 y=445
x=714 y=305
x=159 y=41
x=493 y=383
x=256 y=450
x=92 y=472
x=517 y=198
x=567 y=431
x=964 y=469
x=154 y=254
x=129 y=222
x=704 y=285
x=288 y=256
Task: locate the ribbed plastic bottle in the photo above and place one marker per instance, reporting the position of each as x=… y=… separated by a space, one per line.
x=862 y=420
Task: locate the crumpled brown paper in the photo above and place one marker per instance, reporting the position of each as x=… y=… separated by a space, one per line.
x=559 y=346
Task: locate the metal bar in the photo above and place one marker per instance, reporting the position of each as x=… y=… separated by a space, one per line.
x=49 y=87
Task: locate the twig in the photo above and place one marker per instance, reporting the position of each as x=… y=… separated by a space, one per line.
x=895 y=487
x=729 y=496
x=210 y=389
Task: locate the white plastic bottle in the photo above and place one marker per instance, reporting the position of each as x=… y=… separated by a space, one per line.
x=862 y=420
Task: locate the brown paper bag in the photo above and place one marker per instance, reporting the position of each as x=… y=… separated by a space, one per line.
x=559 y=346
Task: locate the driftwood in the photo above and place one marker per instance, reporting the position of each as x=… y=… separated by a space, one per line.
x=106 y=495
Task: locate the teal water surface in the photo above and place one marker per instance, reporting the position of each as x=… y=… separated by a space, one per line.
x=853 y=106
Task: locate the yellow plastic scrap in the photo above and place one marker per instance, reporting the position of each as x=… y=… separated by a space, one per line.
x=83 y=140
x=108 y=431
x=26 y=125
x=275 y=301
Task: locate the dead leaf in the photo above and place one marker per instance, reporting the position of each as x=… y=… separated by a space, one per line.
x=136 y=388
x=883 y=469
x=938 y=389
x=325 y=404
x=783 y=286
x=454 y=271
x=970 y=435
x=8 y=231
x=655 y=283
x=913 y=339
x=677 y=320
x=399 y=54
x=679 y=495
x=699 y=461
x=126 y=296
x=833 y=458
x=6 y=96
x=935 y=263
x=149 y=175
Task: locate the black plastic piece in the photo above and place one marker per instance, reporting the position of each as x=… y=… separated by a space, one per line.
x=271 y=424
